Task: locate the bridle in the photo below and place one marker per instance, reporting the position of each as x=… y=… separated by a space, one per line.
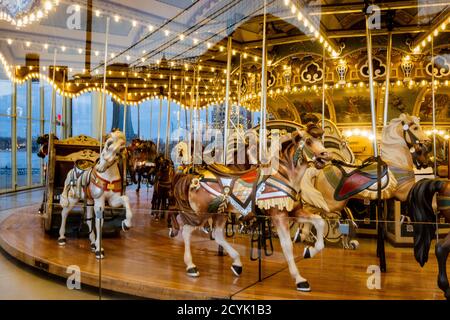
x=408 y=133
x=109 y=164
x=414 y=144
x=304 y=152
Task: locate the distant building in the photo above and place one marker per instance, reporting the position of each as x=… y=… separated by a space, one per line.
x=218 y=117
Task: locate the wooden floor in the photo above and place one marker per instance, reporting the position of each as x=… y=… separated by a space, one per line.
x=146 y=262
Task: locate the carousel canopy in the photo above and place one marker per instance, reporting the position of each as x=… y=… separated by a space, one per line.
x=178 y=49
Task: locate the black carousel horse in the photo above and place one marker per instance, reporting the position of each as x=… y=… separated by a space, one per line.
x=141 y=161
x=43 y=142
x=162 y=192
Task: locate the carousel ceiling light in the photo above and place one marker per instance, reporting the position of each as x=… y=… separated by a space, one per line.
x=48 y=5
x=221 y=48
x=293 y=9
x=80 y=51
x=63 y=48
x=150 y=28
x=181 y=37
x=9 y=41
x=208 y=45
x=27 y=44
x=97 y=13
x=128 y=58
x=299 y=16
x=166 y=33
x=96 y=53
x=134 y=23
x=77 y=8
x=116 y=18
x=112 y=55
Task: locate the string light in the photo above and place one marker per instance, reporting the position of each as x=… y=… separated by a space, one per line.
x=312 y=29
x=427 y=37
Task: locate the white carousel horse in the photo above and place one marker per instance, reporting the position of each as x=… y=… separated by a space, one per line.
x=404 y=145
x=96 y=185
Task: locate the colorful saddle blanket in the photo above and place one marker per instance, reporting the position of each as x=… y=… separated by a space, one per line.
x=241 y=190
x=356 y=181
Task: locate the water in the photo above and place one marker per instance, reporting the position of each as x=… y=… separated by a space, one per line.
x=5 y=159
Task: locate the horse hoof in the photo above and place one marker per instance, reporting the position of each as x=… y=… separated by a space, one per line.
x=125 y=228
x=172 y=233
x=303 y=286
x=93 y=247
x=99 y=254
x=62 y=242
x=237 y=270
x=192 y=272
x=306 y=253
x=447 y=294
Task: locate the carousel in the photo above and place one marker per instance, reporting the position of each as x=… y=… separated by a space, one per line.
x=270 y=149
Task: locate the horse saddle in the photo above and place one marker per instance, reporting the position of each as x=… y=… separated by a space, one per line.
x=84 y=164
x=237 y=186
x=359 y=179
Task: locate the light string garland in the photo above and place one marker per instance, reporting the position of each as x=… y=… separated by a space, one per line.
x=96 y=87
x=426 y=39
x=308 y=25
x=23 y=20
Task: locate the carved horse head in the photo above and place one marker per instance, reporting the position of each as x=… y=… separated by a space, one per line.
x=311 y=146
x=114 y=146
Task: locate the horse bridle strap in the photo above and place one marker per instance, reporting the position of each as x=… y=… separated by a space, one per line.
x=412 y=137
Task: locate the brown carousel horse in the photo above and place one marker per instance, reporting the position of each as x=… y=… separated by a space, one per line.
x=218 y=191
x=141 y=161
x=162 y=192
x=43 y=141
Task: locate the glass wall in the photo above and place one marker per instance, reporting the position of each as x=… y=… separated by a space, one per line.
x=82 y=115
x=19 y=134
x=5 y=133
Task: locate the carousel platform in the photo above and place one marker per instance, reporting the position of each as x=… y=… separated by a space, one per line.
x=145 y=262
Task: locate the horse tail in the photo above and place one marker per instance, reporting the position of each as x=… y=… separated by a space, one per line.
x=420 y=209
